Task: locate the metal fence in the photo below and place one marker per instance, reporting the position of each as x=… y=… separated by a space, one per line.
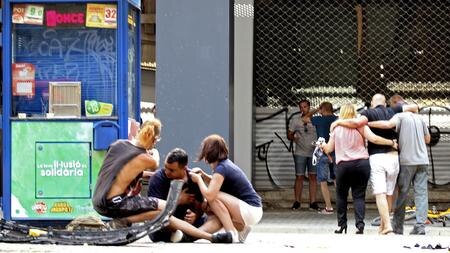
x=346 y=51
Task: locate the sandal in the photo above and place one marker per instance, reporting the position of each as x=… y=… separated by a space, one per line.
x=326 y=211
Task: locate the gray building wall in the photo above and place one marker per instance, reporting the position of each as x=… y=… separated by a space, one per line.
x=193 y=83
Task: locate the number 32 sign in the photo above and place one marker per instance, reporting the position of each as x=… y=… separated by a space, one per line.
x=101 y=15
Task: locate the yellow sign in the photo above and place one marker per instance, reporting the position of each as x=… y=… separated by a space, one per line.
x=131 y=20
x=101 y=15
x=61 y=207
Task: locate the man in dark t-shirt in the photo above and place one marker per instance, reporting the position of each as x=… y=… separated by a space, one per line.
x=324 y=164
x=191 y=199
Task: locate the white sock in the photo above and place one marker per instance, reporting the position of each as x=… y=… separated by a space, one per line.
x=176 y=236
x=235 y=236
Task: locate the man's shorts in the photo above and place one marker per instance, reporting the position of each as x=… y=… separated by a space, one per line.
x=323 y=168
x=119 y=207
x=301 y=162
x=384 y=172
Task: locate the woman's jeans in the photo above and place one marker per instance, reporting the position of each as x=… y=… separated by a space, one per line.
x=352 y=175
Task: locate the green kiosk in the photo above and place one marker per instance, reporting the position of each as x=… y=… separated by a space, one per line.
x=70 y=87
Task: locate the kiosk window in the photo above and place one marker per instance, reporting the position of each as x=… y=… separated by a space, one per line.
x=62 y=50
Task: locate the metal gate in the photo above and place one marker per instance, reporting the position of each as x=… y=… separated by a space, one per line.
x=346 y=51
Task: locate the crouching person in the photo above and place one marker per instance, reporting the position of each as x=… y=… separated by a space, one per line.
x=230 y=195
x=121 y=170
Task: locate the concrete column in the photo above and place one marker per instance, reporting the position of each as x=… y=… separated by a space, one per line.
x=243 y=85
x=193 y=76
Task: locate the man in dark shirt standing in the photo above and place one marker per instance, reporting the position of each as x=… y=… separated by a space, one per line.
x=384 y=160
x=191 y=199
x=324 y=163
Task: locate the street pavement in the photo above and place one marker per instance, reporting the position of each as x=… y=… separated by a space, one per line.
x=307 y=221
x=285 y=231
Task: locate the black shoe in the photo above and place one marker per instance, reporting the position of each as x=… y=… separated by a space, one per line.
x=397 y=229
x=314 y=206
x=341 y=229
x=296 y=205
x=187 y=238
x=359 y=231
x=417 y=231
x=225 y=237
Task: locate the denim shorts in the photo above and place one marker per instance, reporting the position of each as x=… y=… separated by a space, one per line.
x=301 y=162
x=325 y=168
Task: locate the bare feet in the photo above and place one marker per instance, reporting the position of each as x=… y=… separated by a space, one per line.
x=386 y=232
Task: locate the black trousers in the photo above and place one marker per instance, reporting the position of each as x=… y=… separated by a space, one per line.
x=352 y=175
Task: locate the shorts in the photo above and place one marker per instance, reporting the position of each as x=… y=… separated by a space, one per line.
x=301 y=162
x=384 y=172
x=324 y=169
x=250 y=214
x=119 y=207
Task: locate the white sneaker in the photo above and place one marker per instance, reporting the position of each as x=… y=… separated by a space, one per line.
x=242 y=235
x=176 y=236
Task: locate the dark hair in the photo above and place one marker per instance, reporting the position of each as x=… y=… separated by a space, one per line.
x=213 y=149
x=396 y=99
x=304 y=101
x=177 y=155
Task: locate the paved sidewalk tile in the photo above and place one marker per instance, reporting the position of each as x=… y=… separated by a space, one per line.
x=306 y=221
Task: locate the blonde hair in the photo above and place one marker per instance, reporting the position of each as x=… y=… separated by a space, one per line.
x=347 y=111
x=149 y=131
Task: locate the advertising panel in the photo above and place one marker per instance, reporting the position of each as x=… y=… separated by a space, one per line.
x=53 y=176
x=23 y=79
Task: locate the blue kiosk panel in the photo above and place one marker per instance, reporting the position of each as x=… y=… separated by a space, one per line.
x=59 y=55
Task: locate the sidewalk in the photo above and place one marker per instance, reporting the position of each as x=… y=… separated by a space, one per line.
x=305 y=221
x=281 y=230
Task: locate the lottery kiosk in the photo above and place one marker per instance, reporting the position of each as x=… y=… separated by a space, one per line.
x=70 y=86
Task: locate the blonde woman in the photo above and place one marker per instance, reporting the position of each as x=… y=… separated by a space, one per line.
x=353 y=168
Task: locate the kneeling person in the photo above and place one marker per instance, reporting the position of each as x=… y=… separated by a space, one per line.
x=121 y=170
